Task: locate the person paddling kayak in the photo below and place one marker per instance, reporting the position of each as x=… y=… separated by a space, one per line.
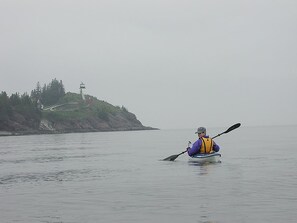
x=204 y=145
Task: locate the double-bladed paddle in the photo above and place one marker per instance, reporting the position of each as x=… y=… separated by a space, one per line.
x=173 y=157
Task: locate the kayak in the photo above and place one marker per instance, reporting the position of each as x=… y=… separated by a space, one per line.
x=206 y=158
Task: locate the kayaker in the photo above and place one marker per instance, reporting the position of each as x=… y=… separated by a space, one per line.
x=203 y=145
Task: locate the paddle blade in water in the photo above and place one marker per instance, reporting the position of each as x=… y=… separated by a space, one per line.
x=171 y=158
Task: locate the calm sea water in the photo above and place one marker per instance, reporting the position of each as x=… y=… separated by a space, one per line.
x=119 y=177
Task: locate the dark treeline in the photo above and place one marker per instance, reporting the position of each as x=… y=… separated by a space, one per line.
x=49 y=94
x=16 y=104
x=29 y=106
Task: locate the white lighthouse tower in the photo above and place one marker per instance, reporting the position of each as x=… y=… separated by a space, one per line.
x=81 y=87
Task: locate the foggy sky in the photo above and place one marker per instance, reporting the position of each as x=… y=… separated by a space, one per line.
x=175 y=64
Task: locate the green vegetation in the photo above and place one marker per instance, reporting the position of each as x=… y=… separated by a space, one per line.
x=5 y=107
x=22 y=105
x=74 y=108
x=49 y=94
x=69 y=97
x=53 y=104
x=29 y=106
x=65 y=115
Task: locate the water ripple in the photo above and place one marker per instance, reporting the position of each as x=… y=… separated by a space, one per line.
x=66 y=175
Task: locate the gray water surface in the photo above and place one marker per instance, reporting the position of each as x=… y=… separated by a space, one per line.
x=120 y=177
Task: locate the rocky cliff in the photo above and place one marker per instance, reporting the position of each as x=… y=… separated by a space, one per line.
x=114 y=122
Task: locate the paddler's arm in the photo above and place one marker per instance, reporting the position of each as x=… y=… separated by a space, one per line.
x=195 y=148
x=215 y=147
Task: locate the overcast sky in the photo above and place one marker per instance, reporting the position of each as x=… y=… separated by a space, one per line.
x=173 y=63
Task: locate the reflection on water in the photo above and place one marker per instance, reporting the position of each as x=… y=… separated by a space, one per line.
x=204 y=167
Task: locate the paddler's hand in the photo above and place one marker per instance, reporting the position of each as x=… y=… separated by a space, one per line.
x=189 y=144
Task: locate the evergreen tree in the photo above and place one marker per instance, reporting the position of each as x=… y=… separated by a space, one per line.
x=28 y=108
x=36 y=93
x=5 y=107
x=52 y=92
x=15 y=99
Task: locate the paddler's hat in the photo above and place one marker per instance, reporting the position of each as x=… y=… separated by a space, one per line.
x=200 y=130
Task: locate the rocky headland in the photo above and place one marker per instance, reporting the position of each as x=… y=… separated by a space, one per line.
x=72 y=114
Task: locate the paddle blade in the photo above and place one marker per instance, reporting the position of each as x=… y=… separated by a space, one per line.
x=171 y=158
x=232 y=127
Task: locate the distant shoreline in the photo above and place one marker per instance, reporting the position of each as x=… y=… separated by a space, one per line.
x=23 y=133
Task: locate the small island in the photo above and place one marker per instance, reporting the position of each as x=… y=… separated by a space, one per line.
x=51 y=110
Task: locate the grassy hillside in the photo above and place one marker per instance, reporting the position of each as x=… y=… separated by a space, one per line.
x=72 y=107
x=71 y=113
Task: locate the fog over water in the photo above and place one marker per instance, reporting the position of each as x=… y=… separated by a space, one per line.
x=175 y=64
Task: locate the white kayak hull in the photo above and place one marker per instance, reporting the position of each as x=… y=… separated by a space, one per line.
x=206 y=158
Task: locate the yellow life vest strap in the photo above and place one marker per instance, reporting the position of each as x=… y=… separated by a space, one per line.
x=206 y=146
